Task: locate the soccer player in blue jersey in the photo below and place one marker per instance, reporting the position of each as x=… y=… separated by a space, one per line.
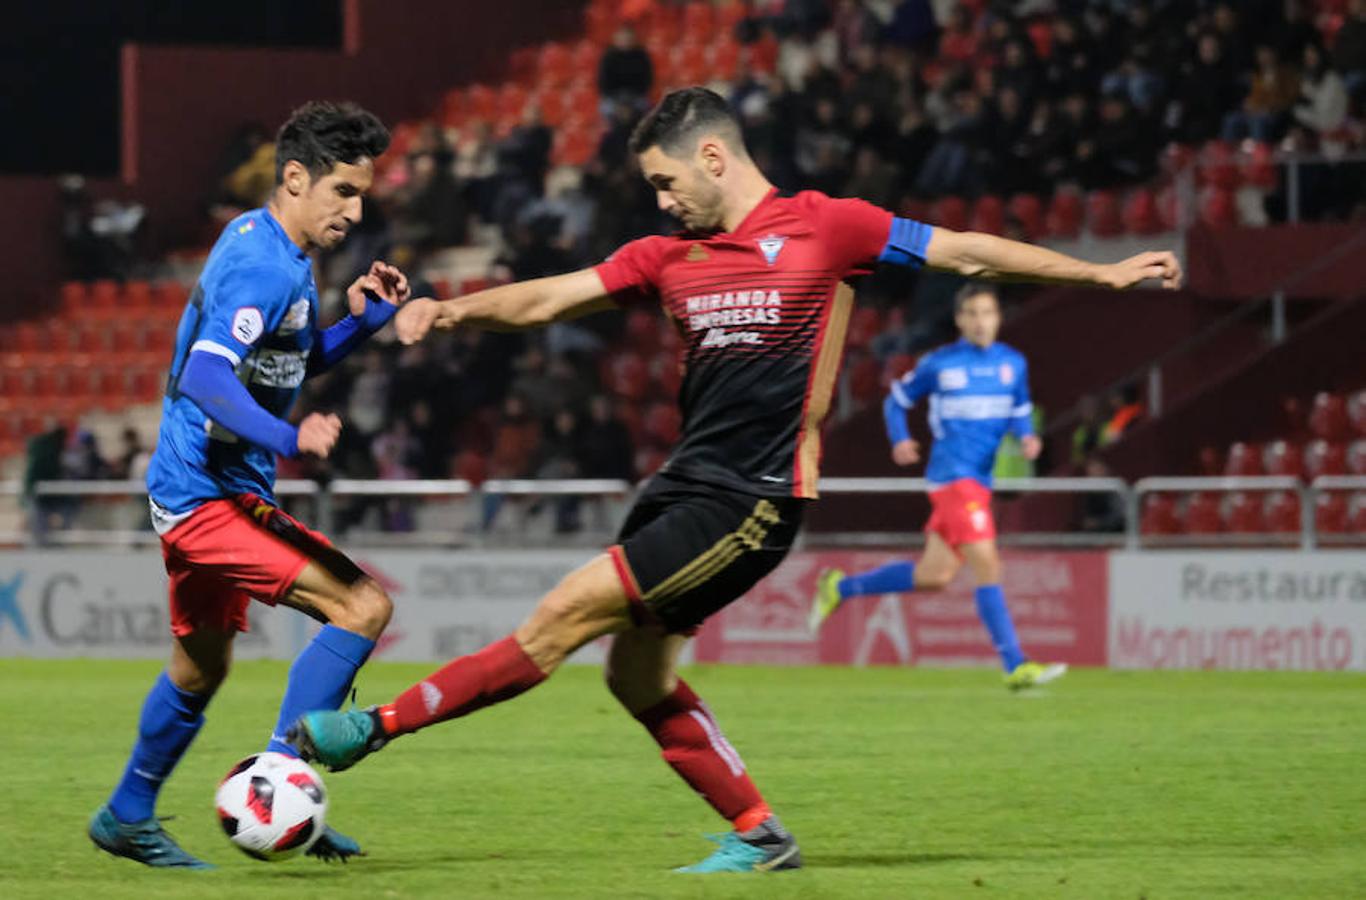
x=248 y=338
x=978 y=390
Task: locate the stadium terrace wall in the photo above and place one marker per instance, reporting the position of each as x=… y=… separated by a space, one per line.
x=1232 y=610
x=182 y=104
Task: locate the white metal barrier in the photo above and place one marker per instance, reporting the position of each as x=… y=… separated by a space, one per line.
x=324 y=496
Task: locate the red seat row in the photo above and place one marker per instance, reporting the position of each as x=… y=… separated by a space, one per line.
x=1271 y=512
x=1309 y=460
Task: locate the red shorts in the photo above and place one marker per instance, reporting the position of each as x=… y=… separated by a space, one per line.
x=962 y=513
x=229 y=552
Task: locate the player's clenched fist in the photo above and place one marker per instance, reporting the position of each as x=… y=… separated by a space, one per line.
x=1158 y=265
x=905 y=453
x=318 y=434
x=416 y=318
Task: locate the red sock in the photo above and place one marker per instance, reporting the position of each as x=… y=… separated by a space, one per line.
x=694 y=745
x=499 y=672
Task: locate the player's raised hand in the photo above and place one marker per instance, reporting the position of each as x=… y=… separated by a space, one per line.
x=415 y=318
x=1031 y=446
x=1157 y=265
x=318 y=434
x=906 y=453
x=393 y=284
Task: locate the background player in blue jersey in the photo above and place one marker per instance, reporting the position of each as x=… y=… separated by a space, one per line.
x=978 y=390
x=247 y=340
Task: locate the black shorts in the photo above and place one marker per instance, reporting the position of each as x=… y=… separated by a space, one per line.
x=688 y=548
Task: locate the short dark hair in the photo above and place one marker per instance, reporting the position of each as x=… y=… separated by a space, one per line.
x=681 y=117
x=321 y=134
x=974 y=289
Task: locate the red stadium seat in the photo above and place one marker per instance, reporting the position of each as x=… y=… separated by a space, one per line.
x=1243 y=459
x=1356 y=457
x=1324 y=458
x=642 y=332
x=698 y=21
x=574 y=146
x=1028 y=210
x=627 y=376
x=472 y=466
x=1140 y=213
x=1169 y=208
x=1242 y=513
x=555 y=66
x=1218 y=166
x=864 y=325
x=989 y=215
x=1218 y=208
x=898 y=364
x=1283 y=458
x=1330 y=512
x=1102 y=214
x=511 y=101
x=1257 y=167
x=725 y=58
x=950 y=212
x=1356 y=514
x=137 y=296
x=864 y=379
x=1065 y=214
x=1159 y=515
x=663 y=424
x=74 y=297
x=585 y=56
x=667 y=372
x=1177 y=158
x=1328 y=417
x=1356 y=412
x=1201 y=514
x=170 y=295
x=554 y=107
x=1281 y=511
x=481 y=102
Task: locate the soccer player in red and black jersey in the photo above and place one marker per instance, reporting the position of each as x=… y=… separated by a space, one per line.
x=757 y=283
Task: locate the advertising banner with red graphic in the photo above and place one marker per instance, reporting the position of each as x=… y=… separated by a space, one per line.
x=1058 y=601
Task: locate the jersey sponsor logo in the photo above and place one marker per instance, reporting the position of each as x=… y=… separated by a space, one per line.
x=978 y=407
x=296 y=318
x=953 y=379
x=1007 y=373
x=770 y=246
x=722 y=310
x=247 y=324
x=697 y=253
x=719 y=337
x=278 y=368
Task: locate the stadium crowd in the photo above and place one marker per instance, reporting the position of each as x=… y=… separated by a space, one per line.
x=896 y=102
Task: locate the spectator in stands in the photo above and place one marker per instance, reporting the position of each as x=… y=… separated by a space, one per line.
x=1205 y=92
x=625 y=73
x=557 y=459
x=43 y=462
x=958 y=40
x=81 y=457
x=1322 y=107
x=823 y=148
x=1123 y=150
x=133 y=457
x=431 y=210
x=1089 y=434
x=517 y=439
x=1126 y=409
x=604 y=448
x=1294 y=31
x=368 y=409
x=396 y=453
x=1349 y=48
x=954 y=165
x=1275 y=89
x=1102 y=512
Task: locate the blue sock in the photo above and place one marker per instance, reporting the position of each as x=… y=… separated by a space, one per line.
x=320 y=678
x=991 y=608
x=170 y=720
x=893 y=578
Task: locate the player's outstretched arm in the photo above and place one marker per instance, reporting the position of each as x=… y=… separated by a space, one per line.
x=371 y=301
x=510 y=307
x=986 y=256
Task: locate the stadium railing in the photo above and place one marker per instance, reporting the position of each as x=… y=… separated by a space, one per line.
x=114 y=513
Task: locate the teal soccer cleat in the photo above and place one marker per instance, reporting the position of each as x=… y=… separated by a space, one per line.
x=333 y=846
x=768 y=849
x=145 y=842
x=337 y=739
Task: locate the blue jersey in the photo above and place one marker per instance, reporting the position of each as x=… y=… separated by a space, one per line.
x=976 y=394
x=256 y=305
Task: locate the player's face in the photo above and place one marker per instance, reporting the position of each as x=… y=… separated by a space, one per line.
x=331 y=205
x=684 y=190
x=979 y=319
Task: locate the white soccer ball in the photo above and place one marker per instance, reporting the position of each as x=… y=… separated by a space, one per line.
x=272 y=806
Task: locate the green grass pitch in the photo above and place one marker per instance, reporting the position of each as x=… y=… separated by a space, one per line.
x=898 y=783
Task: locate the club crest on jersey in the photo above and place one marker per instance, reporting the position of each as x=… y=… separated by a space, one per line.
x=696 y=253
x=771 y=246
x=1007 y=374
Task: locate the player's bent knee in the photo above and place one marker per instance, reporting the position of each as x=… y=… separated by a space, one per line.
x=199 y=678
x=367 y=610
x=932 y=581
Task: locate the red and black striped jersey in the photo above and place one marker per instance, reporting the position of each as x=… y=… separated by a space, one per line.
x=763 y=312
